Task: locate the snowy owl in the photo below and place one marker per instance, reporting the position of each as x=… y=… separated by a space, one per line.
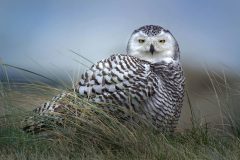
x=148 y=79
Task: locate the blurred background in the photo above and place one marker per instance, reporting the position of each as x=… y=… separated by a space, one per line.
x=39 y=36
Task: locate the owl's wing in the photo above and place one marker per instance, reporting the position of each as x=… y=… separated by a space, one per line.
x=119 y=79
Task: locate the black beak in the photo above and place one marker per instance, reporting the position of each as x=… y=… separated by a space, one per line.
x=152 y=49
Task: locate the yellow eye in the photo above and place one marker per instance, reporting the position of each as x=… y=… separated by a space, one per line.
x=141 y=40
x=162 y=41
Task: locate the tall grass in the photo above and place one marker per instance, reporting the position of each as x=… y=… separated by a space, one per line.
x=96 y=134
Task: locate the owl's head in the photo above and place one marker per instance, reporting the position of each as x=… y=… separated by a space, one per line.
x=154 y=44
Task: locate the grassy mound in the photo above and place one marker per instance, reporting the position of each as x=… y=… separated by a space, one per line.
x=98 y=135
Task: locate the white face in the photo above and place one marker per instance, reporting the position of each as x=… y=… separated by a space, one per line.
x=152 y=48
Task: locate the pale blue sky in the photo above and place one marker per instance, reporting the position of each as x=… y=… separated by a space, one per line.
x=38 y=34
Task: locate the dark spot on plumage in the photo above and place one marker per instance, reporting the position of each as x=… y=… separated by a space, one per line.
x=93 y=91
x=119 y=79
x=135 y=72
x=36 y=110
x=113 y=74
x=131 y=81
x=126 y=63
x=141 y=85
x=114 y=80
x=82 y=76
x=125 y=85
x=144 y=91
x=117 y=88
x=85 y=92
x=122 y=66
x=50 y=105
x=104 y=73
x=95 y=80
x=108 y=82
x=103 y=81
x=150 y=91
x=112 y=57
x=97 y=66
x=86 y=75
x=119 y=70
x=139 y=79
x=110 y=64
x=101 y=98
x=131 y=64
x=105 y=95
x=116 y=98
x=130 y=76
x=125 y=77
x=139 y=94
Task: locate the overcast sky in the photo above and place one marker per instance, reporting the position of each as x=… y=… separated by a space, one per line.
x=37 y=35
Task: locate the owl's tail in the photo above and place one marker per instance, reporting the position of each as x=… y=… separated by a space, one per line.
x=50 y=114
x=37 y=123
